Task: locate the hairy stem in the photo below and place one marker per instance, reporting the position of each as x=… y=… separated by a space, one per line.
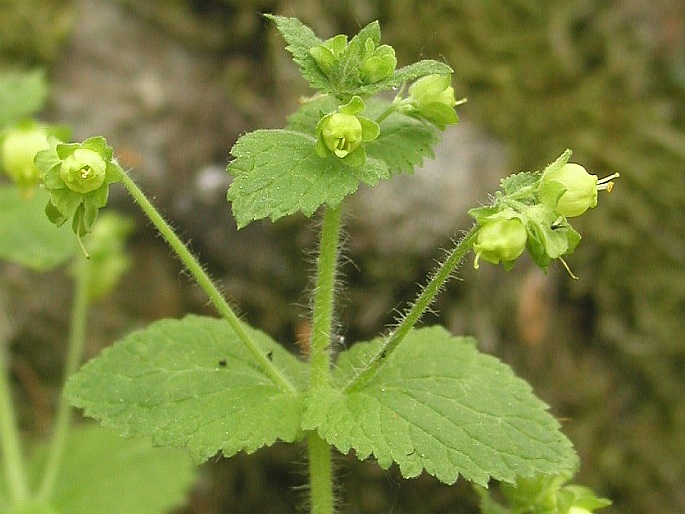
x=322 y=500
x=324 y=295
x=203 y=280
x=10 y=441
x=319 y=451
x=77 y=337
x=438 y=279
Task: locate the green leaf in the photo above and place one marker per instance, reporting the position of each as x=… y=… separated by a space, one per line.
x=515 y=183
x=105 y=474
x=27 y=237
x=192 y=383
x=419 y=69
x=439 y=405
x=32 y=507
x=300 y=39
x=404 y=141
x=277 y=172
x=21 y=95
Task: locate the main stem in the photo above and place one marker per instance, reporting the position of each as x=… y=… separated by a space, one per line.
x=441 y=275
x=77 y=338
x=319 y=451
x=203 y=280
x=10 y=441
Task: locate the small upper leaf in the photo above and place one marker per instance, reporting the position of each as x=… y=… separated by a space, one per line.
x=300 y=40
x=192 y=383
x=439 y=405
x=26 y=235
x=277 y=172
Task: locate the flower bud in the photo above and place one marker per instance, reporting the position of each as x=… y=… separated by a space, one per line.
x=329 y=52
x=500 y=240
x=19 y=148
x=379 y=63
x=432 y=98
x=83 y=171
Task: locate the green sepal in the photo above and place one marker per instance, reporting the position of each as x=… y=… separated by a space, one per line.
x=550 y=236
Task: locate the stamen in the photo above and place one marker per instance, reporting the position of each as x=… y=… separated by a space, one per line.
x=607 y=183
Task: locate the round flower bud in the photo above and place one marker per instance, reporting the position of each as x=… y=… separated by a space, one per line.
x=83 y=171
x=18 y=149
x=569 y=190
x=500 y=240
x=379 y=63
x=328 y=53
x=432 y=97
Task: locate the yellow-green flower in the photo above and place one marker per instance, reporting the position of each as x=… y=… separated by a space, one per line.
x=342 y=133
x=502 y=239
x=570 y=190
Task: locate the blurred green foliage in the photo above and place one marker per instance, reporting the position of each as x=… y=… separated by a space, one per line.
x=32 y=32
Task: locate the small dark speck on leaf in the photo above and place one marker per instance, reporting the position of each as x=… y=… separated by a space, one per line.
x=270 y=355
x=222 y=363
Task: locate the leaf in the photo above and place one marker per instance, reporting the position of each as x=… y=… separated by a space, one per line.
x=515 y=183
x=277 y=172
x=300 y=39
x=403 y=143
x=439 y=405
x=22 y=94
x=192 y=383
x=420 y=69
x=27 y=237
x=105 y=474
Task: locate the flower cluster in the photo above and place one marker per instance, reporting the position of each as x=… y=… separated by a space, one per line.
x=551 y=493
x=373 y=62
x=531 y=213
x=77 y=175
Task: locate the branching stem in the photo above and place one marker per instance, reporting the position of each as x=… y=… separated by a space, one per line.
x=438 y=279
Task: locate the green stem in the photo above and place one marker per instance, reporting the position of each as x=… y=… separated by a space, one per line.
x=324 y=297
x=320 y=475
x=203 y=280
x=441 y=275
x=10 y=441
x=319 y=451
x=76 y=343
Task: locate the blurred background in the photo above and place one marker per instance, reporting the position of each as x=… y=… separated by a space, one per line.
x=171 y=84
